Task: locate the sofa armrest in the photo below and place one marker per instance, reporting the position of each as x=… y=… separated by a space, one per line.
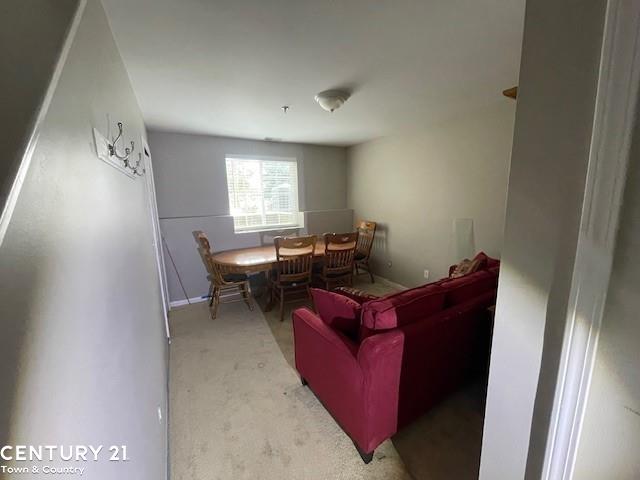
x=327 y=360
x=307 y=321
x=380 y=358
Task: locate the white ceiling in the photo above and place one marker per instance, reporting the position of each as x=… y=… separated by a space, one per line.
x=225 y=67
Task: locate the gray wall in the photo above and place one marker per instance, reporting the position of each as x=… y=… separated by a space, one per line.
x=191 y=184
x=556 y=97
x=82 y=350
x=610 y=437
x=415 y=184
x=25 y=72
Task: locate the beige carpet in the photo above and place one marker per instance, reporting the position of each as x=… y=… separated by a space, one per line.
x=238 y=410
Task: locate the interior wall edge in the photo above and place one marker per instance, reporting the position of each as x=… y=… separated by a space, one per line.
x=13 y=183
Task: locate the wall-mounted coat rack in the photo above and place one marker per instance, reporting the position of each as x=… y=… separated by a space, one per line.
x=108 y=152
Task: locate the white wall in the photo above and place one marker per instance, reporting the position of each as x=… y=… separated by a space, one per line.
x=82 y=350
x=191 y=183
x=556 y=97
x=415 y=184
x=610 y=438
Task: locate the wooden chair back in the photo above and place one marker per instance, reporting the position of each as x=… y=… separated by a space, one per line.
x=218 y=272
x=295 y=258
x=204 y=249
x=267 y=237
x=223 y=288
x=203 y=241
x=339 y=253
x=367 y=231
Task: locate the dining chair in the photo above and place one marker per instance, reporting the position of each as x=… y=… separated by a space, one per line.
x=223 y=283
x=228 y=287
x=266 y=239
x=204 y=249
x=339 y=258
x=294 y=256
x=367 y=233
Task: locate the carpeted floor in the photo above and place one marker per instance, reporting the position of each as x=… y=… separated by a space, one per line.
x=238 y=411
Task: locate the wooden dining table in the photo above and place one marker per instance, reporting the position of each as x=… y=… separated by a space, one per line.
x=256 y=259
x=260 y=259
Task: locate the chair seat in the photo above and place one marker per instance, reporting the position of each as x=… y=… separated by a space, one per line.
x=360 y=256
x=299 y=283
x=234 y=277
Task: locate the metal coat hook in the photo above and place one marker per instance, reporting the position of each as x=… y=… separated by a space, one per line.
x=136 y=167
x=113 y=152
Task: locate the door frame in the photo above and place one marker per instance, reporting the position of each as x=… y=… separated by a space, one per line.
x=157 y=233
x=614 y=117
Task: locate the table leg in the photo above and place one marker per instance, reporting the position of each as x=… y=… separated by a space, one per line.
x=270 y=300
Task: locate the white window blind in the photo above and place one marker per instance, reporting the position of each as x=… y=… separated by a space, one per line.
x=263 y=193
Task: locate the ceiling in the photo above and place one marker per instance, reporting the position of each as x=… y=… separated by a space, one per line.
x=225 y=67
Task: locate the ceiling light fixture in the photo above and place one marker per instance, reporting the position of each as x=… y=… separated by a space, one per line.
x=330 y=100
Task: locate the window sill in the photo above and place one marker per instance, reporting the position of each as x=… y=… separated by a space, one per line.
x=270 y=229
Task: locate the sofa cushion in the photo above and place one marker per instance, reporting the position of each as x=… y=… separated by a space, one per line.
x=339 y=312
x=463 y=289
x=403 y=307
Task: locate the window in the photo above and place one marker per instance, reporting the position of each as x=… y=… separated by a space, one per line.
x=263 y=192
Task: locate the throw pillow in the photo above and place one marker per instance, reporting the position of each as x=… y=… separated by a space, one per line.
x=355 y=294
x=465 y=267
x=337 y=311
x=482 y=258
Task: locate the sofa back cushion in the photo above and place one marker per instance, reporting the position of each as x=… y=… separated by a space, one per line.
x=442 y=353
x=339 y=312
x=403 y=307
x=463 y=289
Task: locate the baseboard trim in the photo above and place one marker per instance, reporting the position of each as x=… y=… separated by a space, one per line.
x=389 y=283
x=180 y=303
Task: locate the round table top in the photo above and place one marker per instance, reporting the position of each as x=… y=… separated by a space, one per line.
x=252 y=257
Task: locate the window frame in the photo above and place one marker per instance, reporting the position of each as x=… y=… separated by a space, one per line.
x=298 y=223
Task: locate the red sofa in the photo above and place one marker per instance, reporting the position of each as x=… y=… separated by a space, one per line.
x=378 y=364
